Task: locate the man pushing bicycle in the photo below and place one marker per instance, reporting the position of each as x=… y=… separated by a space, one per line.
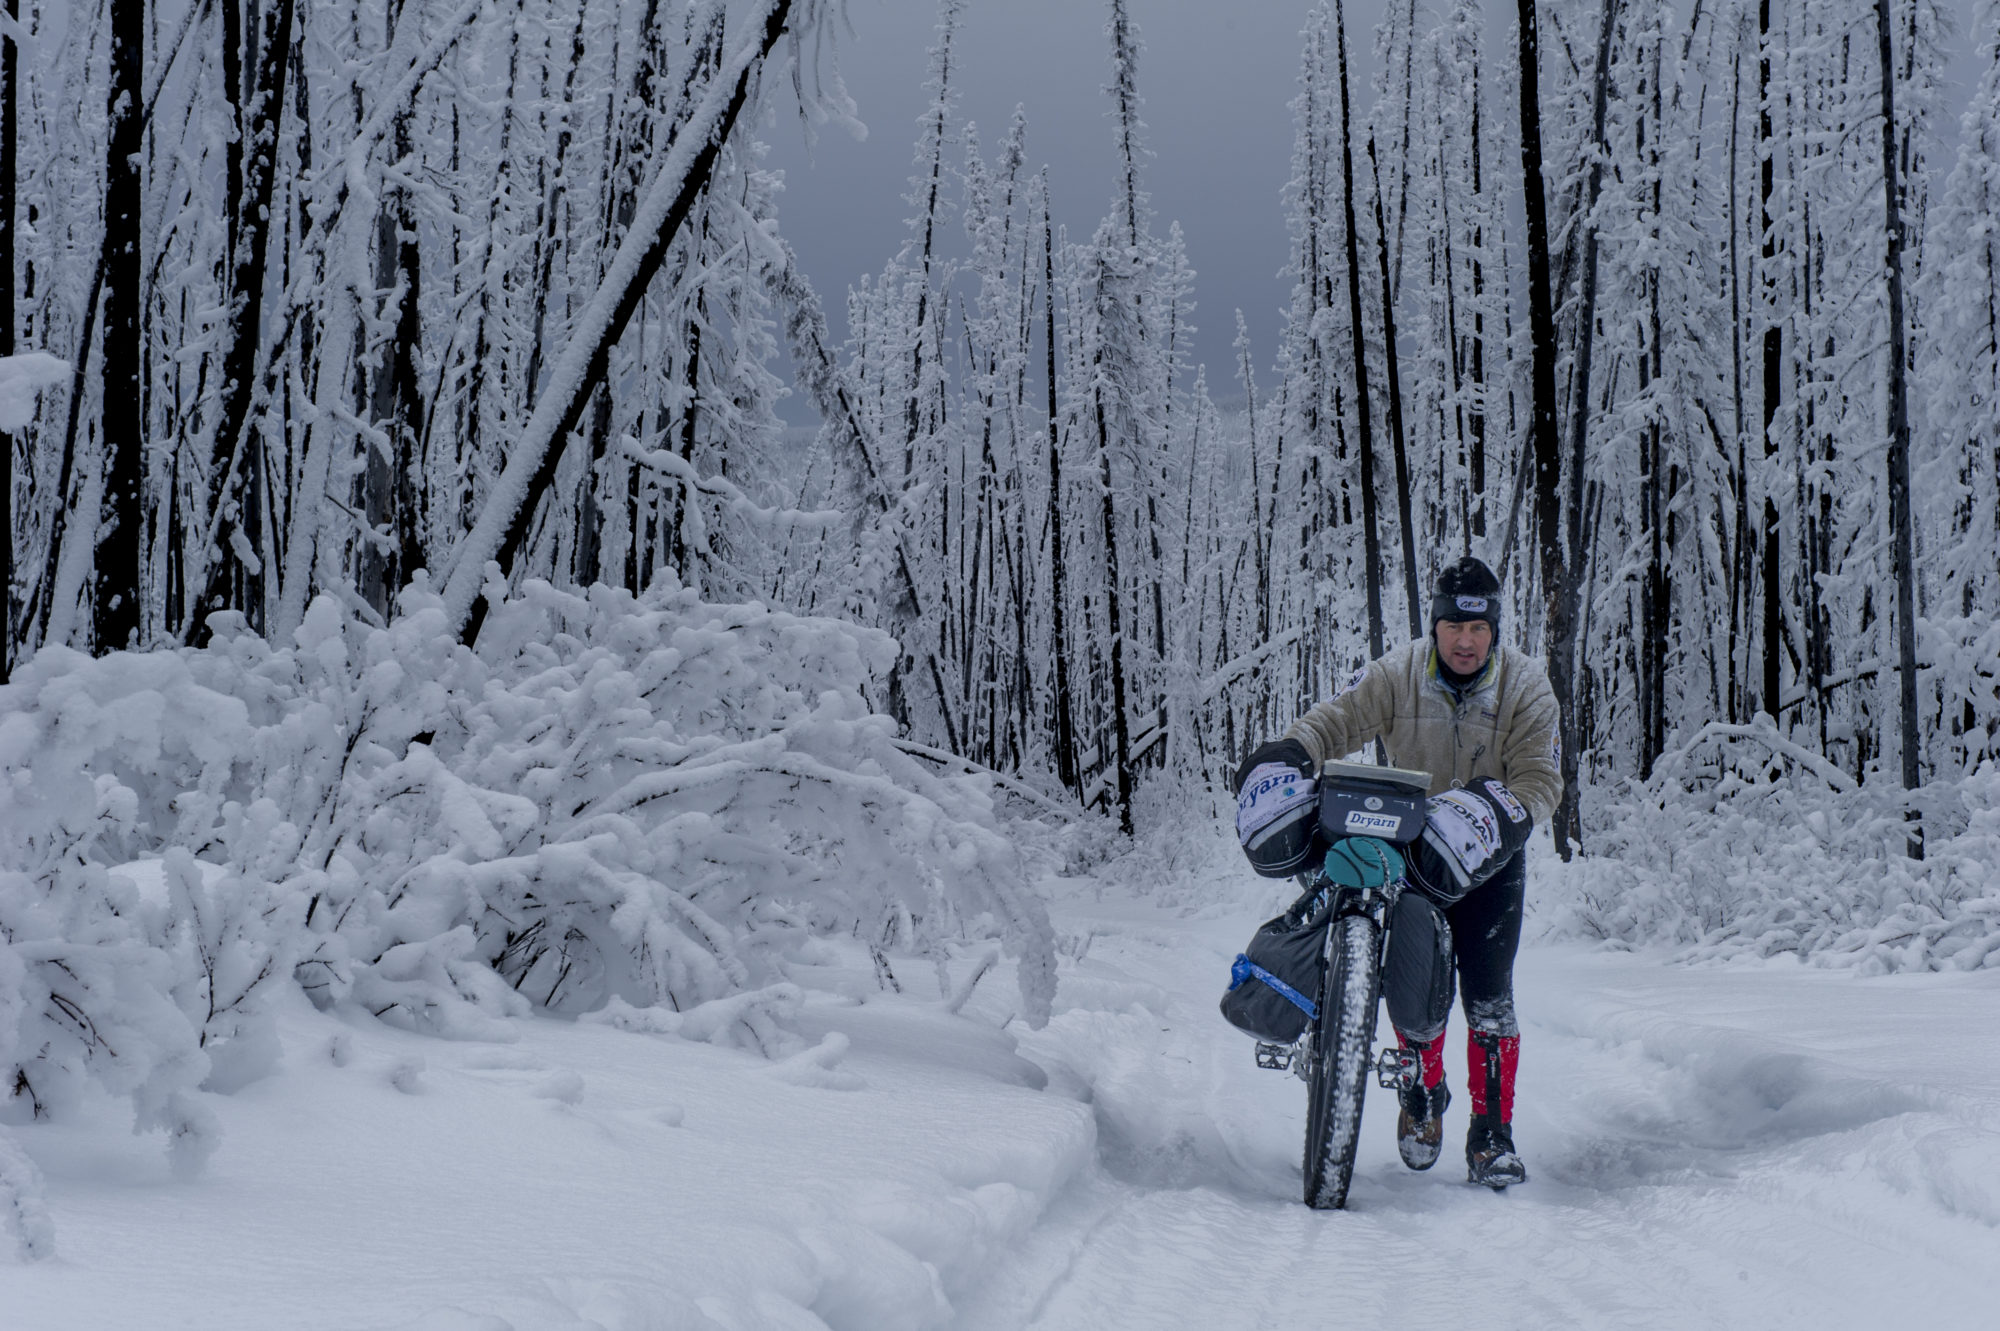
x=1482 y=720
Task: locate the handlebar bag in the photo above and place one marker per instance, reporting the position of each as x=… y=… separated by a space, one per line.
x=1358 y=807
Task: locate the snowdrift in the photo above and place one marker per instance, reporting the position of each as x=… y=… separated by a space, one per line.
x=1744 y=843
x=612 y=801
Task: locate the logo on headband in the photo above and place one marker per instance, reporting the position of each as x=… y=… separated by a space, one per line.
x=1472 y=605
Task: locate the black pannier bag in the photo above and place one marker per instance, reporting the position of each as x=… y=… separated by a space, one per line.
x=1274 y=987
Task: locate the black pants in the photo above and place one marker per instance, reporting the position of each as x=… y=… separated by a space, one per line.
x=1477 y=936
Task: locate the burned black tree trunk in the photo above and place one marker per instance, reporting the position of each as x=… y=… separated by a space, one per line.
x=1558 y=592
x=117 y=562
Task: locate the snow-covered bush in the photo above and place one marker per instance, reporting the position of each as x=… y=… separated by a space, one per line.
x=652 y=800
x=85 y=988
x=1744 y=842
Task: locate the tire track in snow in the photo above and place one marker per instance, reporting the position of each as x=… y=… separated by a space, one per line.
x=1728 y=1186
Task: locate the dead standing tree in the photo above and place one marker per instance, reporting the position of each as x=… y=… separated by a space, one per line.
x=1902 y=553
x=1558 y=624
x=115 y=528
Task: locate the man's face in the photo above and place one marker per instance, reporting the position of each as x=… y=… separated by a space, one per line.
x=1463 y=644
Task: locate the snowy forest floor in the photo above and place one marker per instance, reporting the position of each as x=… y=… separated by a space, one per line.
x=1754 y=1144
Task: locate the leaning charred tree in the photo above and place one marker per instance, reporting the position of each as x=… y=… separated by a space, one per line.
x=503 y=524
x=856 y=453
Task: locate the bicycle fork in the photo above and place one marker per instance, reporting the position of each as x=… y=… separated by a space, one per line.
x=1396 y=1068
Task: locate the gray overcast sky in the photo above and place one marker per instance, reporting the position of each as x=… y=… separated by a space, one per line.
x=1217 y=78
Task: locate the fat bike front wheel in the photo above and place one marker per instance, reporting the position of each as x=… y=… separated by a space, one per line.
x=1342 y=1038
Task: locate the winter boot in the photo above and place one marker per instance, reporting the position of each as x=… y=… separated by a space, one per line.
x=1420 y=1125
x=1491 y=1059
x=1489 y=1154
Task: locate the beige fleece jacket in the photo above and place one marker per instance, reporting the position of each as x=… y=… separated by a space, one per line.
x=1506 y=725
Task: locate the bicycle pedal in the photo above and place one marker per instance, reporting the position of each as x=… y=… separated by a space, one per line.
x=1397 y=1068
x=1276 y=1057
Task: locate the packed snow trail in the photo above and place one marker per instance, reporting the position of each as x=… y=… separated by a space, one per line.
x=1764 y=1146
x=1751 y=1145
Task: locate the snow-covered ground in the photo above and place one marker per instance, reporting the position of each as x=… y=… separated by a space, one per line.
x=1753 y=1144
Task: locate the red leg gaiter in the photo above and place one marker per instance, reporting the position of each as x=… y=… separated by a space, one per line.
x=1490 y=1061
x=1430 y=1057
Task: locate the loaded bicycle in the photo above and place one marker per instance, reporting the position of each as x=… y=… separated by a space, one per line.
x=1310 y=984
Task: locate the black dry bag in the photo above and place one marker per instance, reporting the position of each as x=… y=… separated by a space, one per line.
x=1274 y=987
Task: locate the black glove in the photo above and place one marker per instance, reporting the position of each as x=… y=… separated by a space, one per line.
x=1469 y=835
x=1288 y=752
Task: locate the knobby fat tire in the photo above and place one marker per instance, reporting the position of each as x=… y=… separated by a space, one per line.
x=1343 y=1037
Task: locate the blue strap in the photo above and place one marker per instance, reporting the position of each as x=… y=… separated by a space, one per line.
x=1245 y=970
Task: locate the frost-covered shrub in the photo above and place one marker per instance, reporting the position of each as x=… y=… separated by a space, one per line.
x=232 y=939
x=85 y=989
x=648 y=799
x=1745 y=843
